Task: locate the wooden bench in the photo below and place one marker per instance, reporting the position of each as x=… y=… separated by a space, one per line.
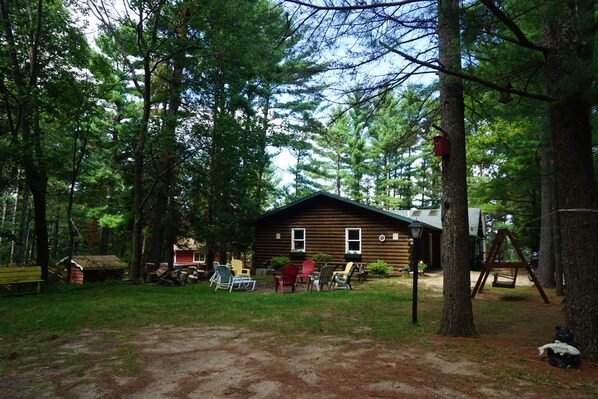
x=13 y=277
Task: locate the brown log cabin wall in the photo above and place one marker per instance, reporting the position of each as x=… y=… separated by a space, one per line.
x=325 y=222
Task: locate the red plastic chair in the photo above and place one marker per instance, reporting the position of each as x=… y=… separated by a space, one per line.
x=288 y=277
x=307 y=270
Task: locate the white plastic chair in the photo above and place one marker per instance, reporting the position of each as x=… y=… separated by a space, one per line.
x=215 y=276
x=227 y=281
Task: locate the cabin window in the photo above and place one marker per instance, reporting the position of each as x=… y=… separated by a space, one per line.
x=199 y=257
x=353 y=241
x=298 y=240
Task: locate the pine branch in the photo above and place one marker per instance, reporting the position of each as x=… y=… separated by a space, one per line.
x=487 y=83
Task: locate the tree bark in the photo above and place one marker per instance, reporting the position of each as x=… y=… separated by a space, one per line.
x=138 y=199
x=457 y=312
x=21 y=237
x=570 y=38
x=557 y=253
x=545 y=271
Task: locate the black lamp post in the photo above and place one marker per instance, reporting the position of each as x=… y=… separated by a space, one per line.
x=416 y=229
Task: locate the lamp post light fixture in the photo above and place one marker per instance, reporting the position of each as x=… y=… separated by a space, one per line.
x=415 y=229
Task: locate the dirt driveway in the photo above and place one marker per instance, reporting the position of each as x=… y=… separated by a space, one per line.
x=222 y=362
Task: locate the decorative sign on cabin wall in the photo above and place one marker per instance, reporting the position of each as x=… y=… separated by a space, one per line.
x=395 y=236
x=278 y=236
x=381 y=238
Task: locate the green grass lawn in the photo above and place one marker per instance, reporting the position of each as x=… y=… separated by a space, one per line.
x=379 y=309
x=376 y=309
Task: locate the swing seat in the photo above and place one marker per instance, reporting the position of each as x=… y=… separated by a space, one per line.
x=509 y=283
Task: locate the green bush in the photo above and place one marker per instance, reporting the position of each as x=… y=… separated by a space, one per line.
x=379 y=267
x=322 y=258
x=277 y=262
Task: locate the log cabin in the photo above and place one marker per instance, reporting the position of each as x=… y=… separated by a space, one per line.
x=346 y=230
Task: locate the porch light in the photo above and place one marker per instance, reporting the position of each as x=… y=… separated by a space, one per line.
x=416 y=229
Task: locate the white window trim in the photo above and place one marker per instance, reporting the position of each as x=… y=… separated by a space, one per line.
x=199 y=257
x=347 y=251
x=293 y=240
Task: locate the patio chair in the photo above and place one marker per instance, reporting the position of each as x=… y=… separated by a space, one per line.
x=227 y=281
x=343 y=279
x=347 y=269
x=288 y=278
x=214 y=277
x=321 y=279
x=238 y=269
x=306 y=270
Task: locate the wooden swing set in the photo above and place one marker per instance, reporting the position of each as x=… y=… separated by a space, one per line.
x=504 y=279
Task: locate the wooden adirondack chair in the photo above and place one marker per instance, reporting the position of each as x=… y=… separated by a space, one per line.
x=321 y=279
x=288 y=277
x=344 y=279
x=307 y=270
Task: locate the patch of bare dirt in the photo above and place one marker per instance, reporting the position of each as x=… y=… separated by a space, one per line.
x=222 y=362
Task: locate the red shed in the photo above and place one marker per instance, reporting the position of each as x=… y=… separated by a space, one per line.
x=95 y=268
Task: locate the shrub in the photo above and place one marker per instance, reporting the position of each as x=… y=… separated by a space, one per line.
x=379 y=267
x=322 y=258
x=277 y=262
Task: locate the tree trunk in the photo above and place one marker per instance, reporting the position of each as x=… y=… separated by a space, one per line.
x=4 y=206
x=163 y=236
x=570 y=38
x=557 y=252
x=38 y=183
x=15 y=207
x=25 y=82
x=545 y=271
x=457 y=312
x=139 y=200
x=19 y=252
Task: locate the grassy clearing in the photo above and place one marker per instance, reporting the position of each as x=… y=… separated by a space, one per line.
x=38 y=328
x=378 y=310
x=113 y=316
x=34 y=326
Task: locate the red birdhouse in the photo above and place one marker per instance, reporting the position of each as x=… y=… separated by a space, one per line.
x=441 y=146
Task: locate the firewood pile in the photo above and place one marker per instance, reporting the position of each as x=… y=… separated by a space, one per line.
x=181 y=275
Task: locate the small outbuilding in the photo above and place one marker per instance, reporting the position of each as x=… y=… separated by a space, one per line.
x=95 y=268
x=189 y=251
